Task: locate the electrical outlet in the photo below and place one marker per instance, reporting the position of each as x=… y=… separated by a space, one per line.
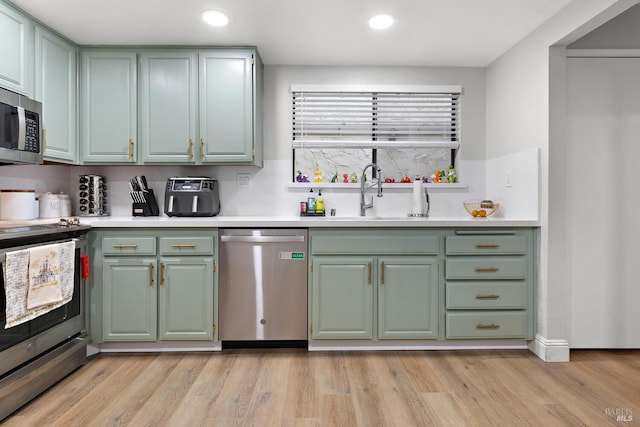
x=244 y=180
x=507 y=179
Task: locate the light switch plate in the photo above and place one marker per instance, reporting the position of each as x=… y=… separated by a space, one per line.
x=244 y=180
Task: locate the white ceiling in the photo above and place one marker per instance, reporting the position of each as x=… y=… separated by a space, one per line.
x=309 y=32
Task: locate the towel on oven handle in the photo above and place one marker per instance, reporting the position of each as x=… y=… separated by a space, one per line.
x=16 y=284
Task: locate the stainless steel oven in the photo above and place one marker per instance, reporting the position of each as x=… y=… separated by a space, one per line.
x=36 y=354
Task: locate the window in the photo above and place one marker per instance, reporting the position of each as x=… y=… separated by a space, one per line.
x=406 y=131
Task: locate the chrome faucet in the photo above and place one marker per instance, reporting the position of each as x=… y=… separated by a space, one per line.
x=363 y=189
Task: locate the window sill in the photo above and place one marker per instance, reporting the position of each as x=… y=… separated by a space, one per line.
x=392 y=186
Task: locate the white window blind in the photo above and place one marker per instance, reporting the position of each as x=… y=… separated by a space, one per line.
x=359 y=119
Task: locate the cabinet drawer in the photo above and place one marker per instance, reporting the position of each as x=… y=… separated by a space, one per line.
x=486 y=268
x=486 y=244
x=374 y=242
x=487 y=325
x=129 y=245
x=486 y=295
x=186 y=245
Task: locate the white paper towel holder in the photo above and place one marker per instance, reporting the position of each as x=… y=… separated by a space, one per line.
x=424 y=202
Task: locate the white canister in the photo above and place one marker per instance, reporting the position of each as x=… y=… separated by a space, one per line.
x=65 y=205
x=17 y=205
x=49 y=205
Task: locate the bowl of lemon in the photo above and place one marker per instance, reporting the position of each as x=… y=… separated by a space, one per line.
x=482 y=208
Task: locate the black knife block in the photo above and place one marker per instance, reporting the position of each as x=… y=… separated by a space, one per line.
x=149 y=208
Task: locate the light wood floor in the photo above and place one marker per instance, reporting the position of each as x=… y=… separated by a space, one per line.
x=296 y=388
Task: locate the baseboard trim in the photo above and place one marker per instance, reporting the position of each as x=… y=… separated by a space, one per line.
x=550 y=350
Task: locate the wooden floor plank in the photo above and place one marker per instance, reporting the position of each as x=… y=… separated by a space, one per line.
x=295 y=388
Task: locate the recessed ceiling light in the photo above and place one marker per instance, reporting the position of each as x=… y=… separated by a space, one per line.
x=214 y=18
x=381 y=21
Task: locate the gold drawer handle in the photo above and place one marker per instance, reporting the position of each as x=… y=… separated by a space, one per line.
x=487 y=246
x=127 y=246
x=483 y=326
x=183 y=246
x=487 y=269
x=491 y=296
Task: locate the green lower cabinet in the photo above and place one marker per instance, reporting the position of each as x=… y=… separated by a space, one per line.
x=186 y=298
x=343 y=301
x=342 y=298
x=130 y=299
x=408 y=297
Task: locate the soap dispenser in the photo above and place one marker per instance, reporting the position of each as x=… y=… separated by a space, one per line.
x=311 y=202
x=320 y=203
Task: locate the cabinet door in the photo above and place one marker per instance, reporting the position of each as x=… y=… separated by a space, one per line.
x=186 y=298
x=226 y=106
x=130 y=299
x=16 y=49
x=55 y=87
x=342 y=298
x=168 y=101
x=108 y=109
x=408 y=297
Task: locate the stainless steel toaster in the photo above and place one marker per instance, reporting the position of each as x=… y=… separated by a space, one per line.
x=191 y=196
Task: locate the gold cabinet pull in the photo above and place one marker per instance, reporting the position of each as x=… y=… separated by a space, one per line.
x=215 y=266
x=190 y=151
x=382 y=273
x=487 y=246
x=490 y=296
x=201 y=149
x=151 y=274
x=369 y=273
x=131 y=148
x=487 y=269
x=490 y=326
x=162 y=273
x=183 y=246
x=125 y=246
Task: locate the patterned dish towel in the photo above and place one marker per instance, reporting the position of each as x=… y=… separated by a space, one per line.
x=38 y=280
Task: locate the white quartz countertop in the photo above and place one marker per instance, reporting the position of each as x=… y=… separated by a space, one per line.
x=304 y=222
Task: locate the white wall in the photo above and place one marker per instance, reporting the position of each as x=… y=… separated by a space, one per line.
x=525 y=110
x=269 y=194
x=603 y=204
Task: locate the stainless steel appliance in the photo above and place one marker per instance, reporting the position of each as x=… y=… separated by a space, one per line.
x=191 y=196
x=263 y=284
x=36 y=354
x=20 y=132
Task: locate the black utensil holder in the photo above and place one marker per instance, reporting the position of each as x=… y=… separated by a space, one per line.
x=148 y=208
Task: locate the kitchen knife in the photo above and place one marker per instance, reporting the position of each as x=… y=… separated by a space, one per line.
x=145 y=186
x=141 y=186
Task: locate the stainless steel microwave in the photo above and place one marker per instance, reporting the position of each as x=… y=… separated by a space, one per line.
x=20 y=129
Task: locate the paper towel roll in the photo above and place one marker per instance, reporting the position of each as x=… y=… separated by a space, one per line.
x=417 y=207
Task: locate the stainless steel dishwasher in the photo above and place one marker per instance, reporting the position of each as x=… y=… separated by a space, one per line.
x=263 y=284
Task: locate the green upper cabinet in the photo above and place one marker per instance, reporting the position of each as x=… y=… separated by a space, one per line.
x=168 y=103
x=408 y=297
x=16 y=50
x=56 y=88
x=108 y=106
x=229 y=114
